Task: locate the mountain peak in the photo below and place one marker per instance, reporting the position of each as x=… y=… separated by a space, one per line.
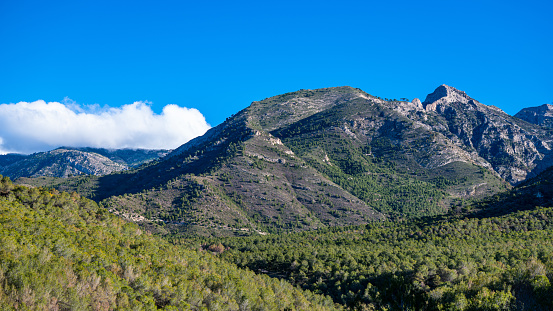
x=540 y=115
x=546 y=108
x=444 y=94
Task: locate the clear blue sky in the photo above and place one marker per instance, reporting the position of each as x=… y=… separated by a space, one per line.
x=218 y=56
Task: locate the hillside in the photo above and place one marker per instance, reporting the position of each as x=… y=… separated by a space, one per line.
x=60 y=251
x=7 y=159
x=532 y=192
x=65 y=162
x=478 y=259
x=327 y=157
x=128 y=157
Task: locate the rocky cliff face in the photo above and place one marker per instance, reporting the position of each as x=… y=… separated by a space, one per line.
x=127 y=157
x=445 y=96
x=541 y=115
x=515 y=149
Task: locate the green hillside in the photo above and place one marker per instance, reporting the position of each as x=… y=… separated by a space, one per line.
x=59 y=251
x=479 y=259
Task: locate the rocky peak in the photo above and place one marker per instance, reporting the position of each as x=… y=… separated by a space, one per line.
x=544 y=108
x=548 y=108
x=445 y=94
x=417 y=103
x=541 y=115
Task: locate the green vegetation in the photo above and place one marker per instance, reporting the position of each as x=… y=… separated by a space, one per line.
x=463 y=263
x=385 y=159
x=59 y=251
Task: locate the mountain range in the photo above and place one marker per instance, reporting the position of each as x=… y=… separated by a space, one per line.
x=325 y=157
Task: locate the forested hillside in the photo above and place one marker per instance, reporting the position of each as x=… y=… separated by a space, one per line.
x=60 y=251
x=493 y=255
x=345 y=199
x=500 y=263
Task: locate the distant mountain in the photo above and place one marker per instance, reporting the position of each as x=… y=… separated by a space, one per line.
x=541 y=115
x=128 y=157
x=65 y=162
x=10 y=158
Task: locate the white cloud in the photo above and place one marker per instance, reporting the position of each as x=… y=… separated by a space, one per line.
x=39 y=126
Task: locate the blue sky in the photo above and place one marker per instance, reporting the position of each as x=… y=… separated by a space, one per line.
x=218 y=57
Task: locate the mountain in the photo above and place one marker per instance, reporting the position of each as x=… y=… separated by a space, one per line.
x=327 y=157
x=65 y=162
x=60 y=251
x=541 y=115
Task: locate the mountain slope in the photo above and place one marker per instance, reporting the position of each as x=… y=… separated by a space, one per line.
x=128 y=157
x=61 y=163
x=371 y=149
x=515 y=149
x=243 y=180
x=7 y=159
x=536 y=191
x=496 y=255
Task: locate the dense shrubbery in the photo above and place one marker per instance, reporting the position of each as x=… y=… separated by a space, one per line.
x=499 y=263
x=59 y=251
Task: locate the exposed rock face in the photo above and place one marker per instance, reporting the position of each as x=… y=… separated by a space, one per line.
x=513 y=148
x=417 y=103
x=541 y=115
x=453 y=126
x=443 y=96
